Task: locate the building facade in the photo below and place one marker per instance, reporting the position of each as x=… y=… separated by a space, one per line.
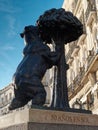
x=7 y=94
x=82 y=57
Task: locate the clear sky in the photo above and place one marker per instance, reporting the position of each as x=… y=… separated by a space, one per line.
x=14 y=16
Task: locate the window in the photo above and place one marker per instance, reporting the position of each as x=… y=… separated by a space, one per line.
x=2 y=99
x=90 y=100
x=97 y=95
x=6 y=98
x=10 y=96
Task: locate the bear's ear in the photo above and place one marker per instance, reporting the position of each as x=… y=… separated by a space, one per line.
x=22 y=35
x=26 y=28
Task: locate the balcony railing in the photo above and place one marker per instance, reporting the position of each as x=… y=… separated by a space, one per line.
x=90 y=60
x=68 y=56
x=91 y=7
x=83 y=22
x=71 y=87
x=77 y=81
x=3 y=104
x=76 y=1
x=72 y=46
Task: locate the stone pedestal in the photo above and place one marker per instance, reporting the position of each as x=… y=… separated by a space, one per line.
x=37 y=119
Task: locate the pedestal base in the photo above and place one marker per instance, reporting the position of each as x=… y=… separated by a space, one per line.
x=36 y=119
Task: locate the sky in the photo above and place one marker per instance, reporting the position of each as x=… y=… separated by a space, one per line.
x=14 y=16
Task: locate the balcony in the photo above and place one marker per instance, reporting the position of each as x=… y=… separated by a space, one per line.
x=76 y=4
x=76 y=1
x=72 y=47
x=90 y=58
x=92 y=65
x=83 y=22
x=68 y=56
x=76 y=85
x=90 y=9
x=70 y=89
x=75 y=50
x=79 y=77
x=5 y=103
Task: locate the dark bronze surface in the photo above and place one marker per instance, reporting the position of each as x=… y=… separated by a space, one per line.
x=60 y=27
x=55 y=26
x=27 y=78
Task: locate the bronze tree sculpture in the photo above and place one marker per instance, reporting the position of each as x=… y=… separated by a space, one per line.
x=60 y=27
x=54 y=26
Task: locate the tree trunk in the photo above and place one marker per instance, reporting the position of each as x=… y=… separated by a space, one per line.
x=60 y=92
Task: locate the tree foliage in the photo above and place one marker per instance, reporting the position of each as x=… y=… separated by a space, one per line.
x=56 y=23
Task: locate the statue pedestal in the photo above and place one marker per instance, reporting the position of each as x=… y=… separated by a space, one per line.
x=37 y=119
